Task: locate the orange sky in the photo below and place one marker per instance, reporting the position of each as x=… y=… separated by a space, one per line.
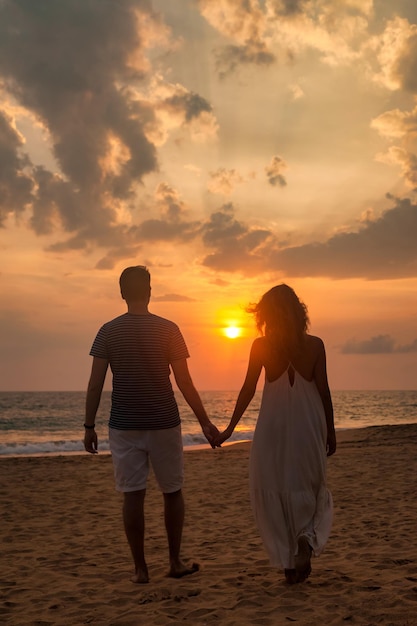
x=229 y=146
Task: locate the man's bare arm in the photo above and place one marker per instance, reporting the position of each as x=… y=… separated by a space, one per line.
x=94 y=391
x=191 y=396
x=320 y=377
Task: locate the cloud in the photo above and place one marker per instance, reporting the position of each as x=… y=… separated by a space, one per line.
x=173 y=223
x=274 y=172
x=190 y=104
x=69 y=64
x=380 y=344
x=243 y=22
x=223 y=181
x=229 y=58
x=172 y=297
x=402 y=126
x=236 y=245
x=74 y=89
x=177 y=107
x=406 y=67
x=261 y=33
x=16 y=185
x=81 y=71
x=55 y=197
x=396 y=123
x=383 y=248
x=288 y=7
x=406 y=160
x=396 y=52
x=336 y=30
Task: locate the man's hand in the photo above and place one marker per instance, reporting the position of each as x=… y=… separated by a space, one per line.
x=211 y=432
x=222 y=437
x=90 y=440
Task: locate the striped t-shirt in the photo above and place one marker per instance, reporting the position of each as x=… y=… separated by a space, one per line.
x=140 y=349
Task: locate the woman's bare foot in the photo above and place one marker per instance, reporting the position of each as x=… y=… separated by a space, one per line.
x=290 y=576
x=180 y=570
x=140 y=576
x=303 y=560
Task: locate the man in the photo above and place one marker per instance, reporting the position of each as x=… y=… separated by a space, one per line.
x=144 y=424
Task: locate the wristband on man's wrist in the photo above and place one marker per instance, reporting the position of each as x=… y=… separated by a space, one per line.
x=89 y=426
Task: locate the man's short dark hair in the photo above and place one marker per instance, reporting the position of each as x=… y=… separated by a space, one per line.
x=135 y=283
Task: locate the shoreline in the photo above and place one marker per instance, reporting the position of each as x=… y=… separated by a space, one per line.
x=341 y=433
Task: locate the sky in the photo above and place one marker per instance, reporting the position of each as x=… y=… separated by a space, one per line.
x=229 y=146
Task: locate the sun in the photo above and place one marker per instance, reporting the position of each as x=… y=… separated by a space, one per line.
x=232 y=332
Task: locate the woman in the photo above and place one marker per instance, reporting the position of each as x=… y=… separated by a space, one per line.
x=294 y=432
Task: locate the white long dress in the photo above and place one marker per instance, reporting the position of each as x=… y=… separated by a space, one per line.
x=288 y=460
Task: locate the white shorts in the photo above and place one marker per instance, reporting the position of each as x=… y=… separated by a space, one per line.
x=132 y=450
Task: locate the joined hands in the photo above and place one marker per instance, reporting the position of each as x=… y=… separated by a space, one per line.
x=214 y=437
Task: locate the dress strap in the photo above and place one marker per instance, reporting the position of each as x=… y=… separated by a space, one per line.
x=291 y=373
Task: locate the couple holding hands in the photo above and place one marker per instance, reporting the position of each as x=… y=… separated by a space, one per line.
x=293 y=436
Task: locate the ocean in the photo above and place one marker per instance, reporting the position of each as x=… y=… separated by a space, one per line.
x=46 y=423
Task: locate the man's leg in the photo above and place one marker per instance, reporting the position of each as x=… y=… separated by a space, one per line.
x=174 y=523
x=134 y=523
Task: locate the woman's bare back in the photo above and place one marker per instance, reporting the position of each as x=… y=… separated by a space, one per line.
x=303 y=361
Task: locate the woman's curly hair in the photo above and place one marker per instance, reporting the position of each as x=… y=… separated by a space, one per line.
x=281 y=317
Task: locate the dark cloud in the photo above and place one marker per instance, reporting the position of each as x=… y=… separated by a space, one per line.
x=409 y=347
x=380 y=344
x=223 y=226
x=173 y=223
x=64 y=61
x=79 y=68
x=236 y=245
x=55 y=196
x=381 y=249
x=274 y=172
x=288 y=7
x=189 y=103
x=229 y=58
x=68 y=63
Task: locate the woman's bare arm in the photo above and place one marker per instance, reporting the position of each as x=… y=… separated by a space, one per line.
x=248 y=388
x=320 y=377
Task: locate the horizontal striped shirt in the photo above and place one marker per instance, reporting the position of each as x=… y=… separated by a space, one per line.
x=140 y=349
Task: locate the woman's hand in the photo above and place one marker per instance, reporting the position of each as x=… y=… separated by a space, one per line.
x=223 y=436
x=331 y=443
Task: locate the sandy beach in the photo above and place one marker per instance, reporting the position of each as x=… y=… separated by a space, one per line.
x=65 y=559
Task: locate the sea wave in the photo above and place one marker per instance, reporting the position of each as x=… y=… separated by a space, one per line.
x=45 y=447
x=53 y=448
